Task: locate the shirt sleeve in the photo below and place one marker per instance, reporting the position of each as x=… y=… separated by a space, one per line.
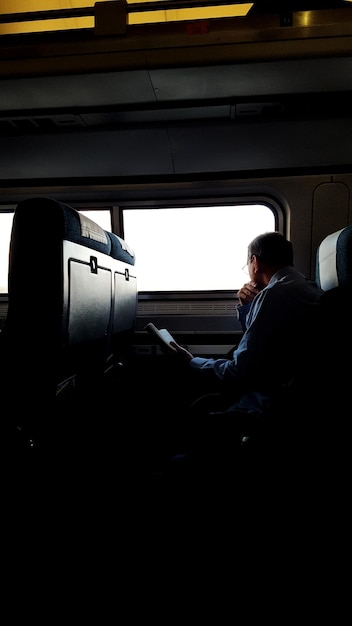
x=242 y=311
x=251 y=352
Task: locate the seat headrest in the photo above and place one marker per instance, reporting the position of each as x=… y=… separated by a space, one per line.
x=54 y=222
x=334 y=260
x=120 y=250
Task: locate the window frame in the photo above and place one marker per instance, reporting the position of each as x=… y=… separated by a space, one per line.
x=186 y=295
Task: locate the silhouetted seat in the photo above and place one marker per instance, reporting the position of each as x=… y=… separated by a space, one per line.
x=334 y=275
x=124 y=301
x=72 y=294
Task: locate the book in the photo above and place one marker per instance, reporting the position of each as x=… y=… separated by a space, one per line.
x=162 y=336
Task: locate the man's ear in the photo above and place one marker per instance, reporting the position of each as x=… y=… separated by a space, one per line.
x=255 y=263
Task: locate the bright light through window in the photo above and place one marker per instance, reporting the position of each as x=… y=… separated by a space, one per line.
x=196 y=248
x=6 y=220
x=179 y=249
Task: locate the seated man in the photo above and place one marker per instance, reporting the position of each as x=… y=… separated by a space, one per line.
x=282 y=309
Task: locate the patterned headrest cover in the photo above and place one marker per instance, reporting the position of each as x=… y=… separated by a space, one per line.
x=81 y=229
x=120 y=250
x=334 y=260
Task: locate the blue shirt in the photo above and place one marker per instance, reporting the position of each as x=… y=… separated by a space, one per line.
x=274 y=339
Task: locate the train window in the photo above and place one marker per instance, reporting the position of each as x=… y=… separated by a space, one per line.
x=194 y=248
x=5 y=236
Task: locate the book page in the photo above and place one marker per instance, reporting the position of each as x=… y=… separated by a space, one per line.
x=162 y=335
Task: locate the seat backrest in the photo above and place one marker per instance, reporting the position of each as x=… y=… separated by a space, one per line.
x=334 y=275
x=72 y=296
x=334 y=261
x=124 y=300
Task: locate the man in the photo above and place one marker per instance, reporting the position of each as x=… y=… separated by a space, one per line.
x=278 y=325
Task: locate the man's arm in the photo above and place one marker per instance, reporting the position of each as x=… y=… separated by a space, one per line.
x=246 y=295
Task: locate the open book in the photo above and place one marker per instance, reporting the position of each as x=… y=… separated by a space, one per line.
x=162 y=336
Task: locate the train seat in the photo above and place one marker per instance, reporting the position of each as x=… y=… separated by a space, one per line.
x=64 y=302
x=332 y=378
x=125 y=295
x=334 y=261
x=334 y=275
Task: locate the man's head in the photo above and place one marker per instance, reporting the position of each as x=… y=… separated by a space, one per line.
x=268 y=253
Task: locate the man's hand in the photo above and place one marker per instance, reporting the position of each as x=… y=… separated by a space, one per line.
x=247 y=293
x=182 y=352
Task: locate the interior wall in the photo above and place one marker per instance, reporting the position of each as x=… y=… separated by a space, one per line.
x=179 y=149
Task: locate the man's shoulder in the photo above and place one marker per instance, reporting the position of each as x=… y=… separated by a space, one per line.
x=293 y=286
